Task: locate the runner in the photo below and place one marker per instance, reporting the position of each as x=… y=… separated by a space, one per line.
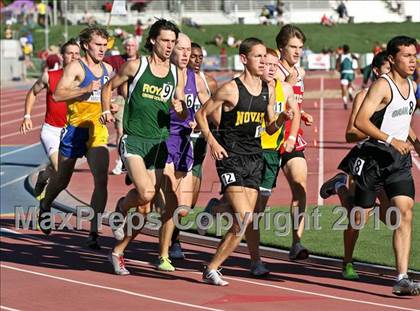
x=290 y=41
x=245 y=102
x=152 y=84
x=55 y=116
x=338 y=183
x=345 y=67
x=384 y=160
x=116 y=61
x=199 y=143
x=81 y=87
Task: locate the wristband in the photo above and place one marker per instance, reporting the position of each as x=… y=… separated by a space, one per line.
x=106 y=112
x=27 y=116
x=389 y=139
x=292 y=137
x=302 y=111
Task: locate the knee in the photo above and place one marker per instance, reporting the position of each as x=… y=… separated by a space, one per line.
x=406 y=214
x=299 y=190
x=146 y=195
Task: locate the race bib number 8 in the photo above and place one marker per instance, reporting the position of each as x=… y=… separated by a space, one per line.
x=358 y=166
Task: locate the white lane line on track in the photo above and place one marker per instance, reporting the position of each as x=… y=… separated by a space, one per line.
x=19 y=120
x=241 y=280
x=17 y=132
x=8 y=308
x=19 y=150
x=118 y=290
x=415 y=160
x=321 y=141
x=36 y=107
x=13 y=181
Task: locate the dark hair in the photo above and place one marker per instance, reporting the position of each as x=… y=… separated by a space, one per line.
x=72 y=41
x=246 y=46
x=154 y=32
x=346 y=48
x=288 y=32
x=195 y=46
x=86 y=35
x=379 y=59
x=393 y=46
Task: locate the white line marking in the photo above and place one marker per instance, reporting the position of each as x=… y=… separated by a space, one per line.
x=17 y=132
x=7 y=308
x=233 y=278
x=118 y=290
x=9 y=231
x=13 y=181
x=321 y=141
x=19 y=150
x=19 y=120
x=38 y=107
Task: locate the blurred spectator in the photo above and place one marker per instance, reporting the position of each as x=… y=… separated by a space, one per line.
x=138 y=31
x=107 y=7
x=218 y=40
x=42 y=12
x=326 y=21
x=8 y=32
x=265 y=15
x=232 y=42
x=121 y=33
x=87 y=19
x=280 y=12
x=376 y=48
x=343 y=15
x=27 y=50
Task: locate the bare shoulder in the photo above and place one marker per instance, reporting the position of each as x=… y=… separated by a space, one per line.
x=227 y=90
x=108 y=67
x=302 y=72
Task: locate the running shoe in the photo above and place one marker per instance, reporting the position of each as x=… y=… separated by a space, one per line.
x=214 y=277
x=128 y=180
x=349 y=273
x=298 y=252
x=118 y=167
x=118 y=263
x=175 y=252
x=259 y=269
x=406 y=287
x=165 y=264
x=328 y=188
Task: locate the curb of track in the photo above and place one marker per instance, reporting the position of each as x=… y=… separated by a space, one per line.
x=68 y=202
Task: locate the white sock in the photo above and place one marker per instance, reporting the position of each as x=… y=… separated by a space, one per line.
x=345 y=100
x=401 y=276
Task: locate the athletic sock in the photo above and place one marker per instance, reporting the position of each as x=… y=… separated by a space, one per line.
x=402 y=276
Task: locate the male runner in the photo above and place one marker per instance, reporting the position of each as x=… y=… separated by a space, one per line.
x=384 y=160
x=152 y=84
x=55 y=116
x=81 y=87
x=290 y=41
x=345 y=67
x=245 y=102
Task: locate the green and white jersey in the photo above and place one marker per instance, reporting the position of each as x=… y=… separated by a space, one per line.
x=146 y=113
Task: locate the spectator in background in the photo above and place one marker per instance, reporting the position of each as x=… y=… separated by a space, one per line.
x=343 y=15
x=265 y=15
x=8 y=32
x=326 y=21
x=42 y=12
x=280 y=12
x=218 y=40
x=107 y=7
x=138 y=31
x=232 y=42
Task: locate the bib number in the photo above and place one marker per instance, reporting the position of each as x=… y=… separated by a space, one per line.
x=228 y=178
x=189 y=100
x=258 y=131
x=166 y=92
x=358 y=166
x=278 y=107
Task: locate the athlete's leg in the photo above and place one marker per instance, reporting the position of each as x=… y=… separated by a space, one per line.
x=98 y=160
x=252 y=233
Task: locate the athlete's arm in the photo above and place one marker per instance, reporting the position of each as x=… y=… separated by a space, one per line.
x=412 y=137
x=38 y=86
x=289 y=144
x=178 y=103
x=68 y=86
x=202 y=93
x=376 y=99
x=224 y=95
x=352 y=133
x=212 y=83
x=127 y=71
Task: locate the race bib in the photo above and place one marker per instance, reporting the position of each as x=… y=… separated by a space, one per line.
x=166 y=92
x=358 y=166
x=228 y=178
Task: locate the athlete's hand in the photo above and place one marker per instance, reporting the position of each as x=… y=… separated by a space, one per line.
x=93 y=86
x=401 y=146
x=192 y=125
x=177 y=105
x=289 y=145
x=307 y=118
x=217 y=151
x=26 y=126
x=114 y=108
x=106 y=117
